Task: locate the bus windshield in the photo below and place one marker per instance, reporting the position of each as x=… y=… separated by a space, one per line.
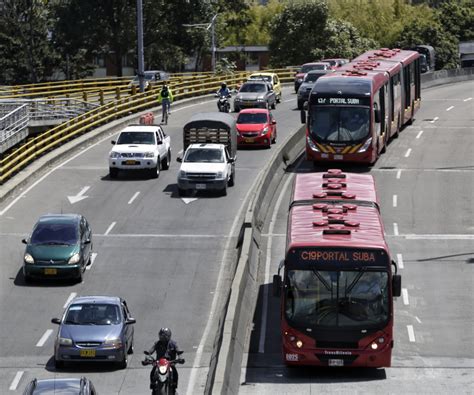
x=339 y=124
x=349 y=299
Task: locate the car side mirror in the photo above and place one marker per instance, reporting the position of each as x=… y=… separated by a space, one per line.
x=396 y=285
x=24 y=241
x=130 y=321
x=160 y=142
x=231 y=160
x=146 y=352
x=274 y=122
x=113 y=142
x=179 y=159
x=56 y=321
x=87 y=241
x=276 y=288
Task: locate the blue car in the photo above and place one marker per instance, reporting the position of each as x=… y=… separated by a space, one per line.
x=70 y=386
x=94 y=328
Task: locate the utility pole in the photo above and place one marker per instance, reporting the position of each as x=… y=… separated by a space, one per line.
x=207 y=26
x=141 y=70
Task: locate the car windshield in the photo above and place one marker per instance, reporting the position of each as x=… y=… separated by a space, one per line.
x=253 y=88
x=57 y=386
x=339 y=124
x=355 y=299
x=136 y=138
x=252 y=118
x=93 y=314
x=55 y=234
x=204 y=155
x=310 y=77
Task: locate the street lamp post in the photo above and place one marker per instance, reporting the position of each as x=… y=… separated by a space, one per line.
x=141 y=67
x=208 y=26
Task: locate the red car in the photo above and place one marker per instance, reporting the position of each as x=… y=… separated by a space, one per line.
x=256 y=126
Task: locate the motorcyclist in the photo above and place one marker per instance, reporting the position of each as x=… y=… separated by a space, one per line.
x=223 y=92
x=167 y=348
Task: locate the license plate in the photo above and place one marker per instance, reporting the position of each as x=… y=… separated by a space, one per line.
x=200 y=186
x=338 y=157
x=247 y=140
x=131 y=162
x=50 y=271
x=336 y=362
x=87 y=353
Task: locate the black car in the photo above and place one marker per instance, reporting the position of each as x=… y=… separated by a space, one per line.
x=255 y=94
x=60 y=246
x=72 y=386
x=308 y=82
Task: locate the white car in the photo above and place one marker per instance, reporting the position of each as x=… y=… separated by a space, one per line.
x=140 y=147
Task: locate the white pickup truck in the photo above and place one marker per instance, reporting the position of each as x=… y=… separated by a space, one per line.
x=210 y=145
x=140 y=147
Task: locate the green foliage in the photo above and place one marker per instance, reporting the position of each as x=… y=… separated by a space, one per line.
x=225 y=66
x=457 y=18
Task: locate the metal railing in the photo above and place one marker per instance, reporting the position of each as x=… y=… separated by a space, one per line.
x=13 y=125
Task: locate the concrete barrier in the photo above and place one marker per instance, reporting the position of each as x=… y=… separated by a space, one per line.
x=242 y=303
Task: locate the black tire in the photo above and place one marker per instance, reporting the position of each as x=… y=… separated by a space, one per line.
x=224 y=191
x=274 y=139
x=274 y=105
x=300 y=105
x=278 y=99
x=181 y=191
x=124 y=362
x=232 y=179
x=165 y=165
x=58 y=364
x=80 y=277
x=155 y=172
x=130 y=349
x=113 y=172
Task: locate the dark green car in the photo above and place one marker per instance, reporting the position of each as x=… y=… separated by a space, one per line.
x=60 y=246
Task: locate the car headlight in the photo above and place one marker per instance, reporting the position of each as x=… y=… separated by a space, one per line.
x=113 y=343
x=114 y=155
x=260 y=100
x=265 y=130
x=28 y=258
x=162 y=369
x=182 y=174
x=149 y=154
x=238 y=99
x=74 y=259
x=311 y=144
x=219 y=174
x=366 y=146
x=64 y=341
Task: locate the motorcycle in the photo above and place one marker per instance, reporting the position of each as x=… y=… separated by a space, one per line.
x=223 y=102
x=163 y=380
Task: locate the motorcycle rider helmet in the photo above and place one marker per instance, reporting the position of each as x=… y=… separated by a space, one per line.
x=223 y=85
x=164 y=334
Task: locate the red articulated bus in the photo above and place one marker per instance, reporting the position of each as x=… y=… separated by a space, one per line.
x=337 y=288
x=352 y=113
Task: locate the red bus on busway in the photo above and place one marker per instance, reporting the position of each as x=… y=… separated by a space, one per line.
x=352 y=113
x=338 y=287
x=409 y=77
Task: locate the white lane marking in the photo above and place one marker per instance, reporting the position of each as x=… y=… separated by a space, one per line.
x=93 y=256
x=23 y=194
x=419 y=321
x=407 y=154
x=134 y=197
x=411 y=333
x=434 y=119
x=131 y=235
x=419 y=134
x=80 y=196
x=449 y=108
x=71 y=297
x=188 y=200
x=440 y=237
x=109 y=228
x=469 y=98
x=405 y=296
x=395 y=198
x=44 y=338
x=263 y=321
x=395 y=229
x=190 y=390
x=399 y=174
x=400 y=261
x=16 y=380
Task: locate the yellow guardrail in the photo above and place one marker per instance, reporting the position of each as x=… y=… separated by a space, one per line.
x=35 y=147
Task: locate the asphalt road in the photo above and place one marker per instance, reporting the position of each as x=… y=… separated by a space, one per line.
x=168 y=257
x=425 y=183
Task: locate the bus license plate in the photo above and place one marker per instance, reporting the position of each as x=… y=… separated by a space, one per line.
x=87 y=353
x=338 y=157
x=336 y=362
x=51 y=271
x=200 y=186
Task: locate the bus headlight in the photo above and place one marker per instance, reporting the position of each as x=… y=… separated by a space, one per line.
x=366 y=145
x=311 y=144
x=374 y=346
x=299 y=343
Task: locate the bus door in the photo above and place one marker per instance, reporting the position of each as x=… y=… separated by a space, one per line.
x=379 y=127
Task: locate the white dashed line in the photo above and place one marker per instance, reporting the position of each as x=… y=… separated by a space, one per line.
x=395 y=198
x=395 y=229
x=405 y=296
x=411 y=333
x=110 y=228
x=469 y=98
x=133 y=197
x=44 y=338
x=71 y=297
x=449 y=108
x=399 y=174
x=400 y=261
x=407 y=154
x=419 y=134
x=434 y=119
x=419 y=321
x=93 y=256
x=16 y=380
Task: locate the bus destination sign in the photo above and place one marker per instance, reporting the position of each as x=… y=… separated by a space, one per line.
x=346 y=101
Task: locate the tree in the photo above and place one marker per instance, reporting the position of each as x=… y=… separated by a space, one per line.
x=26 y=53
x=457 y=18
